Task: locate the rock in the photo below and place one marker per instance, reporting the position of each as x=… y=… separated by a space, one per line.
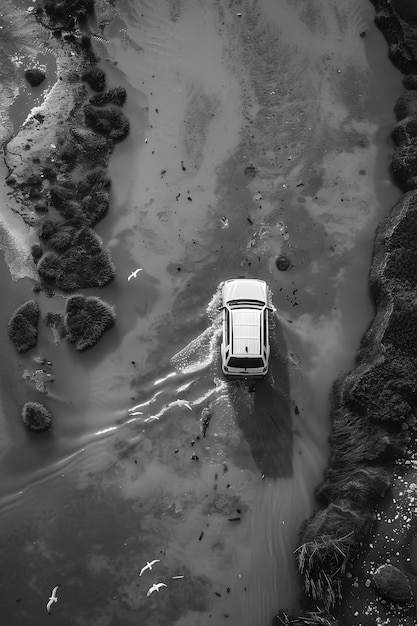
x=22 y=327
x=35 y=76
x=392 y=583
x=36 y=416
x=282 y=263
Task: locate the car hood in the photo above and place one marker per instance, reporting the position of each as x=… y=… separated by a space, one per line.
x=245 y=289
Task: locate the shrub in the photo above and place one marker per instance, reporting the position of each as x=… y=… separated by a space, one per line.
x=22 y=326
x=406 y=105
x=97 y=180
x=61 y=194
x=95 y=78
x=63 y=10
x=36 y=416
x=404 y=164
x=87 y=239
x=384 y=390
x=36 y=252
x=47 y=227
x=72 y=211
x=95 y=206
x=329 y=540
x=110 y=121
x=363 y=486
x=48 y=266
x=55 y=321
x=62 y=239
x=410 y=81
x=78 y=269
x=86 y=320
x=116 y=95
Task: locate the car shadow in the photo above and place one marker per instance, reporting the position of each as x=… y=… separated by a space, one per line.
x=266 y=422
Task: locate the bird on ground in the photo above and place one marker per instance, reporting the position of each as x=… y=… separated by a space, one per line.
x=52 y=599
x=155 y=587
x=135 y=273
x=224 y=221
x=148 y=566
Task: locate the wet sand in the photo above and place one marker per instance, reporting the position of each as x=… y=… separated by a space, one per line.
x=297 y=94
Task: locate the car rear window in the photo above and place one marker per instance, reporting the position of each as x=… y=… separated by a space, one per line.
x=235 y=361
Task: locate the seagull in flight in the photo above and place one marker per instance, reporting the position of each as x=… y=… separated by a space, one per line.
x=52 y=599
x=181 y=403
x=135 y=273
x=155 y=587
x=148 y=566
x=151 y=418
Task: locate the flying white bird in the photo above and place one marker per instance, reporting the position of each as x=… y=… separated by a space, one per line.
x=155 y=587
x=135 y=273
x=151 y=418
x=177 y=577
x=136 y=413
x=52 y=599
x=148 y=566
x=224 y=221
x=181 y=403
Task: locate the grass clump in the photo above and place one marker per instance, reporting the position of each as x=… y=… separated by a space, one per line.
x=36 y=416
x=55 y=322
x=23 y=326
x=115 y=95
x=48 y=266
x=87 y=319
x=95 y=78
x=329 y=540
x=305 y=618
x=109 y=121
x=406 y=105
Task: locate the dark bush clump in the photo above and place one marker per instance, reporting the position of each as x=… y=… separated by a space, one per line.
x=115 y=95
x=35 y=76
x=404 y=164
x=36 y=252
x=23 y=326
x=72 y=212
x=78 y=269
x=63 y=10
x=95 y=206
x=48 y=226
x=36 y=416
x=95 y=78
x=48 y=266
x=60 y=194
x=363 y=486
x=109 y=121
x=384 y=390
x=329 y=541
x=55 y=321
x=94 y=181
x=62 y=239
x=406 y=105
x=86 y=320
x=410 y=81
x=404 y=131
x=92 y=148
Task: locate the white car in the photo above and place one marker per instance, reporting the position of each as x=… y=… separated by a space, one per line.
x=245 y=343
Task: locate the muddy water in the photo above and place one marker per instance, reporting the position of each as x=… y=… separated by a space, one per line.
x=127 y=474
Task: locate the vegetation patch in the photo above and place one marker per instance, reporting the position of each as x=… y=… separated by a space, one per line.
x=36 y=416
x=95 y=78
x=86 y=320
x=115 y=95
x=109 y=121
x=23 y=326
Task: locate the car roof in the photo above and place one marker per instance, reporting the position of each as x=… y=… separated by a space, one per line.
x=246 y=331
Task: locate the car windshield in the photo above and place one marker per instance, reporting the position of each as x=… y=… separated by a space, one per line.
x=249 y=362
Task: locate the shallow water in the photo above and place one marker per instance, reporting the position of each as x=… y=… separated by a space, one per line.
x=126 y=474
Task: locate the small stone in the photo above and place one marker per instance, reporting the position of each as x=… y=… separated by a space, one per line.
x=282 y=263
x=392 y=583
